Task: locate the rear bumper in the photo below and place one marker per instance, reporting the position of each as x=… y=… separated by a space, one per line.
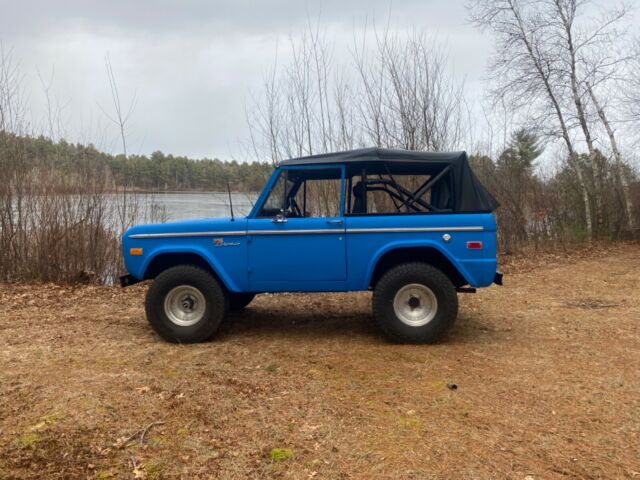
x=127 y=280
x=497 y=279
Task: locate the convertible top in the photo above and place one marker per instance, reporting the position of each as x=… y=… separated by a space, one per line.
x=469 y=195
x=377 y=155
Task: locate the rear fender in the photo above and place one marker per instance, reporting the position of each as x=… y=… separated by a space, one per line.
x=416 y=244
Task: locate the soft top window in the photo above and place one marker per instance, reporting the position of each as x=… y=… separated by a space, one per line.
x=396 y=189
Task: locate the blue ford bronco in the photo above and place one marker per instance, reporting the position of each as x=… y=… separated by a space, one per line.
x=413 y=227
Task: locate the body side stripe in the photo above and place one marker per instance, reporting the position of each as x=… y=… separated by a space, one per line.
x=236 y=233
x=308 y=231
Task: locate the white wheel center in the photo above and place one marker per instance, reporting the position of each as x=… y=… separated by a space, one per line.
x=185 y=305
x=415 y=305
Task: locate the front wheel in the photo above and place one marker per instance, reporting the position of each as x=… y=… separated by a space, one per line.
x=185 y=304
x=415 y=303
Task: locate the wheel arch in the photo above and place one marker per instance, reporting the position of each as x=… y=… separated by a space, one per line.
x=163 y=259
x=430 y=253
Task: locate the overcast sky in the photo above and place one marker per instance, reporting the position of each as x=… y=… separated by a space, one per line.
x=193 y=64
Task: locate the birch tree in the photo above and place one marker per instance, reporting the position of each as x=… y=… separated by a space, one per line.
x=526 y=74
x=550 y=56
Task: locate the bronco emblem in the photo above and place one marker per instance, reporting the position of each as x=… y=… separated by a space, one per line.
x=219 y=242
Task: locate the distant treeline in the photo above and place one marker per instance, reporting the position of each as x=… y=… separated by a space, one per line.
x=157 y=172
x=64 y=207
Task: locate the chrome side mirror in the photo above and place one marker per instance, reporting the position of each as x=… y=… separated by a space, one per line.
x=280 y=218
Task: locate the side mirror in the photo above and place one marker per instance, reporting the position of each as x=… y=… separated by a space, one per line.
x=280 y=218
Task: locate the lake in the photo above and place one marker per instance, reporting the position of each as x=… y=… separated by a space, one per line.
x=186 y=205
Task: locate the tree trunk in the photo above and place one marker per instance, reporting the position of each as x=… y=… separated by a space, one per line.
x=617 y=156
x=558 y=112
x=567 y=23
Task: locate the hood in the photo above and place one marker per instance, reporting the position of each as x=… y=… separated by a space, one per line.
x=190 y=226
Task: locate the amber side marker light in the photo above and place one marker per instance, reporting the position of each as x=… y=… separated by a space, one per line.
x=474 y=245
x=135 y=251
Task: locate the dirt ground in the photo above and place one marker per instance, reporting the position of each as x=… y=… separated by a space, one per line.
x=547 y=370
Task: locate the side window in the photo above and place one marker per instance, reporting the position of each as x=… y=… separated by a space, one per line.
x=382 y=191
x=318 y=197
x=274 y=203
x=304 y=193
x=385 y=198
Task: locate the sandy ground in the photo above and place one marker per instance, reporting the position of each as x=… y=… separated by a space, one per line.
x=547 y=370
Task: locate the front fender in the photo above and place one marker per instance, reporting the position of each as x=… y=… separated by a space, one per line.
x=213 y=262
x=412 y=244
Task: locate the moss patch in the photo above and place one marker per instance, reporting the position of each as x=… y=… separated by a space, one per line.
x=272 y=367
x=279 y=454
x=104 y=475
x=409 y=422
x=30 y=439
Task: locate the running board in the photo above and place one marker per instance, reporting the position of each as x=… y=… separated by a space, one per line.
x=466 y=290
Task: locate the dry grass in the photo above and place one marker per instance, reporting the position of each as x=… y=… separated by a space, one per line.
x=547 y=369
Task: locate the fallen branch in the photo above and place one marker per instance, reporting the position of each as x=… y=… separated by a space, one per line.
x=146 y=429
x=142 y=432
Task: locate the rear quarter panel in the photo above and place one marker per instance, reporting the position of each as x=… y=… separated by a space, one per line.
x=370 y=237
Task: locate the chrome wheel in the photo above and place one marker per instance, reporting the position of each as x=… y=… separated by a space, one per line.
x=185 y=305
x=415 y=305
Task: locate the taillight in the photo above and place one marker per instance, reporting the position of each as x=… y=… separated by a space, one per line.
x=474 y=245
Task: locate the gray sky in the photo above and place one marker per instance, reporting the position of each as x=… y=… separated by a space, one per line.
x=193 y=64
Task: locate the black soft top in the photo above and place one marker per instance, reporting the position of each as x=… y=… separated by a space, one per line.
x=378 y=155
x=469 y=195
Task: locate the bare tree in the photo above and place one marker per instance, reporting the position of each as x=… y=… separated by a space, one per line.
x=528 y=73
x=48 y=209
x=619 y=163
x=632 y=93
x=397 y=93
x=12 y=98
x=345 y=132
x=54 y=120
x=410 y=95
x=120 y=117
x=550 y=51
x=128 y=204
x=321 y=56
x=264 y=119
x=588 y=56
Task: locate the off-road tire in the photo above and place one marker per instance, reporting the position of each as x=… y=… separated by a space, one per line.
x=216 y=304
x=414 y=273
x=237 y=301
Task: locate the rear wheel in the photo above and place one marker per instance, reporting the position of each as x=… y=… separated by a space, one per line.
x=185 y=304
x=415 y=303
x=237 y=301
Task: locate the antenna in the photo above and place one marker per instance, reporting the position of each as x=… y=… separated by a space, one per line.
x=230 y=201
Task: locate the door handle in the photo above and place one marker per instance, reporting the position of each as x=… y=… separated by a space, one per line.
x=334 y=222
x=279 y=219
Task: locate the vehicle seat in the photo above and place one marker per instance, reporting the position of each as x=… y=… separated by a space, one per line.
x=359 y=191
